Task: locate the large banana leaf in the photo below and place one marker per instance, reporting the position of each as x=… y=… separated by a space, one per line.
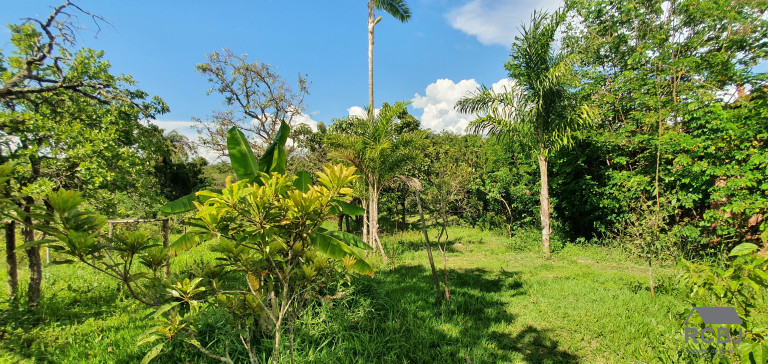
x=179 y=206
x=275 y=158
x=335 y=248
x=241 y=155
x=187 y=241
x=243 y=162
x=349 y=239
x=184 y=204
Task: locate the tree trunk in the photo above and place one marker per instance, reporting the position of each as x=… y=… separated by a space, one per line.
x=658 y=209
x=366 y=208
x=444 y=248
x=546 y=230
x=371 y=25
x=374 y=219
x=429 y=247
x=276 y=347
x=10 y=259
x=445 y=273
x=33 y=254
x=402 y=216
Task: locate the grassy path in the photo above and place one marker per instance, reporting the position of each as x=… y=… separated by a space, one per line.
x=583 y=305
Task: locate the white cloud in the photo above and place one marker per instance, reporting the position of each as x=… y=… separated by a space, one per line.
x=306 y=119
x=438 y=105
x=504 y=85
x=496 y=21
x=360 y=111
x=440 y=98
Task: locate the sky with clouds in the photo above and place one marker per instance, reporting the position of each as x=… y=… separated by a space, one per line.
x=448 y=49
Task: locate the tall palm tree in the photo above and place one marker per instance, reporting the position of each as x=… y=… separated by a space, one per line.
x=399 y=10
x=539 y=108
x=379 y=149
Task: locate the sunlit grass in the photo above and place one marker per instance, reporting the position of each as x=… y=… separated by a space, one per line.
x=508 y=304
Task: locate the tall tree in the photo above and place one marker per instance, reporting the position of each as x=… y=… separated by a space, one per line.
x=539 y=107
x=676 y=81
x=256 y=97
x=399 y=10
x=379 y=148
x=66 y=121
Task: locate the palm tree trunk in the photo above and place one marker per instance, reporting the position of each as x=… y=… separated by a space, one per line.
x=546 y=230
x=371 y=25
x=374 y=219
x=366 y=208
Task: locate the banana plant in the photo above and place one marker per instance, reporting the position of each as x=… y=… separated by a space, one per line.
x=250 y=170
x=243 y=162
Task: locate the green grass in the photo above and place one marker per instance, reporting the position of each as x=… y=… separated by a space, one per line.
x=508 y=304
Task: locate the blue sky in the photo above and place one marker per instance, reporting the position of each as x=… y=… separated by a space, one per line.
x=447 y=49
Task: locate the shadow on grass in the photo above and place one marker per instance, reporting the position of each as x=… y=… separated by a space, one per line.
x=405 y=322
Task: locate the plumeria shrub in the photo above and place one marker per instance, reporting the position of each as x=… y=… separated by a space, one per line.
x=272 y=255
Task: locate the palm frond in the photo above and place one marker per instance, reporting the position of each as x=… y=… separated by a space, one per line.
x=507 y=107
x=397 y=8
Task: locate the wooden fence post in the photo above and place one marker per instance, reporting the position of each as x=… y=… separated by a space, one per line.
x=10 y=259
x=166 y=234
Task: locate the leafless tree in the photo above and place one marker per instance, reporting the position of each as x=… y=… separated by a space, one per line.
x=256 y=97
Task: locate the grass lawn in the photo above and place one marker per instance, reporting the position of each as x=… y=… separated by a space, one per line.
x=508 y=304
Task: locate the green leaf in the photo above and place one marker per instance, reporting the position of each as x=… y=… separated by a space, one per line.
x=303 y=181
x=349 y=239
x=148 y=339
x=275 y=158
x=179 y=206
x=152 y=353
x=185 y=203
x=185 y=242
x=35 y=243
x=164 y=308
x=760 y=353
x=349 y=209
x=743 y=249
x=240 y=154
x=336 y=249
x=46 y=229
x=753 y=352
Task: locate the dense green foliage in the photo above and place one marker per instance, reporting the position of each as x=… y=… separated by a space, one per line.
x=672 y=82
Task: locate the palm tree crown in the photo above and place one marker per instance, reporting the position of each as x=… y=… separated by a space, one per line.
x=399 y=10
x=379 y=148
x=539 y=108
